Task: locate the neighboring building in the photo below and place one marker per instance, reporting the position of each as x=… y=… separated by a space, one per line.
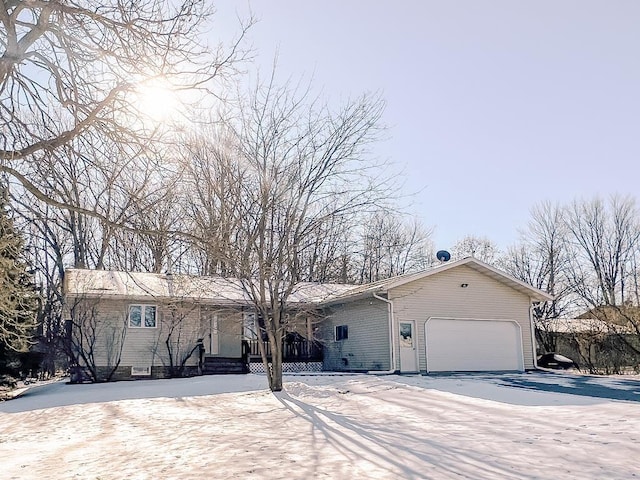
x=459 y=316
x=602 y=340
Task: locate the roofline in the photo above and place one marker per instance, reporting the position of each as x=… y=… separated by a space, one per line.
x=352 y=297
x=385 y=285
x=447 y=266
x=155 y=299
x=206 y=301
x=362 y=291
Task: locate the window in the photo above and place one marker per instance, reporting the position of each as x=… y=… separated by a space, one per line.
x=140 y=371
x=249 y=327
x=342 y=332
x=142 y=316
x=406 y=334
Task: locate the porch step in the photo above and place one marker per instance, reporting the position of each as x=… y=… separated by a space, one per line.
x=223 y=365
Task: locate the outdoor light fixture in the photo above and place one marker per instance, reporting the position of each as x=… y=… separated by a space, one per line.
x=464 y=285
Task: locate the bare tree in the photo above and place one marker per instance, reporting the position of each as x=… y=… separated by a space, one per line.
x=177 y=339
x=158 y=214
x=542 y=260
x=299 y=164
x=214 y=181
x=93 y=341
x=329 y=256
x=481 y=248
x=72 y=75
x=634 y=276
x=392 y=246
x=76 y=133
x=584 y=255
x=47 y=248
x=605 y=237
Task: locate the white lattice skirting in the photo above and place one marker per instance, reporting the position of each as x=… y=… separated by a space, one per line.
x=293 y=367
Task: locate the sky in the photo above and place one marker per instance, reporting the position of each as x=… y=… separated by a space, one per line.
x=491 y=107
x=520 y=426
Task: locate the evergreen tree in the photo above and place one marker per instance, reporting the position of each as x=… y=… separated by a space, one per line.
x=18 y=296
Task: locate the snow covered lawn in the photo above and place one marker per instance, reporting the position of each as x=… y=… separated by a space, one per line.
x=350 y=426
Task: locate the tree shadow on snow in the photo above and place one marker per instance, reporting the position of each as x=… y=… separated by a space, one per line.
x=391 y=449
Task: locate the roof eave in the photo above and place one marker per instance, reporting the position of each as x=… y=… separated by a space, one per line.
x=351 y=298
x=158 y=298
x=533 y=293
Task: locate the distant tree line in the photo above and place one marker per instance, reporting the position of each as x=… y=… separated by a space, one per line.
x=280 y=193
x=586 y=254
x=268 y=184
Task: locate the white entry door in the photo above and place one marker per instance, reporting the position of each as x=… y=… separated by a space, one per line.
x=407 y=339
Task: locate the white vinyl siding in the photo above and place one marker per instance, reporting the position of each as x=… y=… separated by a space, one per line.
x=367 y=345
x=145 y=347
x=442 y=296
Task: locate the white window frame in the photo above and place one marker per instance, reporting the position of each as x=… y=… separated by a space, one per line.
x=140 y=371
x=143 y=307
x=335 y=333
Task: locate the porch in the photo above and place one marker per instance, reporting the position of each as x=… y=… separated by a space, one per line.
x=299 y=355
x=296 y=349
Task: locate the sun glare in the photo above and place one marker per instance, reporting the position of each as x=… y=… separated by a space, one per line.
x=157 y=100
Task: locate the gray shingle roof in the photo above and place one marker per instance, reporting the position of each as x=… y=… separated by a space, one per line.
x=206 y=289
x=228 y=291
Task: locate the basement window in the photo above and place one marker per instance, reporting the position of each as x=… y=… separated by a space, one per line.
x=142 y=316
x=342 y=332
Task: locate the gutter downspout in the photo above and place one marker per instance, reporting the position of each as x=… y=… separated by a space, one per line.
x=533 y=337
x=392 y=357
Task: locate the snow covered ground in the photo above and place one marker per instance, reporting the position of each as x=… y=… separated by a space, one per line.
x=324 y=426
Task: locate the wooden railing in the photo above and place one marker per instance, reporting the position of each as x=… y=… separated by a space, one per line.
x=297 y=350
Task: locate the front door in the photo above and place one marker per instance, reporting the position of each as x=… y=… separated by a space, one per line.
x=408 y=360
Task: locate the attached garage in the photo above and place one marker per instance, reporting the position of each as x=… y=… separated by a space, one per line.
x=462 y=316
x=473 y=345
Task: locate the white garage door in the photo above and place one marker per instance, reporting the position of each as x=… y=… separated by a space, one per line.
x=455 y=345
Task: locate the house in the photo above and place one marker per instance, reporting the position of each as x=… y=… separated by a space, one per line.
x=459 y=316
x=123 y=325
x=601 y=340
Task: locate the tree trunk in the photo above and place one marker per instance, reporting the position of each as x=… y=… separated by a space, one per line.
x=275 y=373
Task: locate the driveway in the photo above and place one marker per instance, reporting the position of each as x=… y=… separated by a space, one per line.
x=626 y=388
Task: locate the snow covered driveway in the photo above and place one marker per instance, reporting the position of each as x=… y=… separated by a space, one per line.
x=351 y=426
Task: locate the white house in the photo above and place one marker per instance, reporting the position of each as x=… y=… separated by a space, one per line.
x=458 y=316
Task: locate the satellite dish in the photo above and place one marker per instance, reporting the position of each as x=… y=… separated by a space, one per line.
x=443 y=255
